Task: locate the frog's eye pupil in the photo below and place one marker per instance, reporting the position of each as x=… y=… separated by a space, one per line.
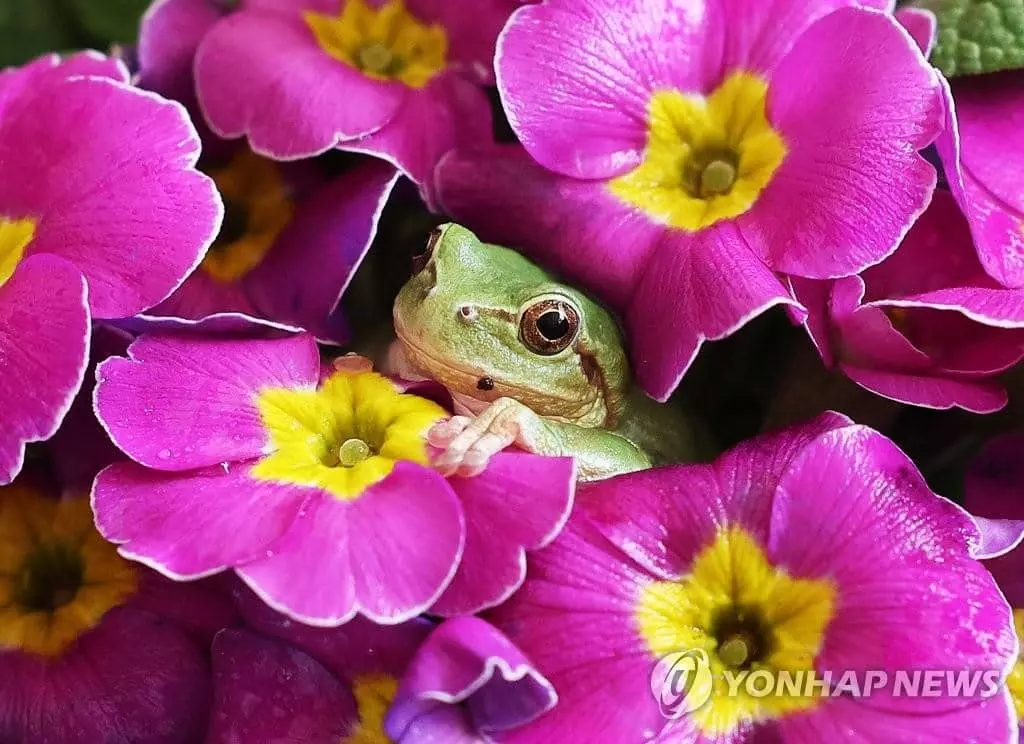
x=549 y=326
x=553 y=325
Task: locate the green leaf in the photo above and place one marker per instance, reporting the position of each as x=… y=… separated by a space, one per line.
x=112 y=21
x=977 y=36
x=28 y=29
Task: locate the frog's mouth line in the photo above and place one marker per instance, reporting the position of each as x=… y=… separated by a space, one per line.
x=471 y=376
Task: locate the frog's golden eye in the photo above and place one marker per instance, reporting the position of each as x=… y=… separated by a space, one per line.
x=549 y=326
x=421 y=256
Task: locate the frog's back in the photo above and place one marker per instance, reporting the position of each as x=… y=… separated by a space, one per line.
x=662 y=430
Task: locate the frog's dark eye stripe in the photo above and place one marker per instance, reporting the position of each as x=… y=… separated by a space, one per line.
x=549 y=326
x=422 y=255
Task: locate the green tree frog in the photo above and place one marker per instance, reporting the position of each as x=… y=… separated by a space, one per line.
x=529 y=361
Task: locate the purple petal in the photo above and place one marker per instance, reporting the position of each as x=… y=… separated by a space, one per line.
x=302 y=279
x=466 y=664
x=80 y=449
x=169 y=35
x=977 y=396
x=264 y=691
x=44 y=350
x=995 y=215
x=180 y=403
x=133 y=678
x=360 y=646
x=519 y=503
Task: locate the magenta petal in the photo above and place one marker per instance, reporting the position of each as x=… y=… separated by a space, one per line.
x=107 y=171
x=472 y=28
x=387 y=555
x=888 y=535
x=133 y=678
x=660 y=518
x=519 y=503
x=450 y=112
x=699 y=287
x=180 y=403
x=263 y=75
x=977 y=396
x=921 y=24
x=980 y=174
x=466 y=665
x=600 y=669
x=576 y=76
x=17 y=83
x=760 y=32
x=850 y=720
x=44 y=351
x=265 y=691
x=194 y=524
x=303 y=277
x=852 y=144
x=505 y=197
x=169 y=35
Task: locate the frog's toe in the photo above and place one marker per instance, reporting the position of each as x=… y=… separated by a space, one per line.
x=442 y=433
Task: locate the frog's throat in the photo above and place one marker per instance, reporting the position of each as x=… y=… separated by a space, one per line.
x=590 y=411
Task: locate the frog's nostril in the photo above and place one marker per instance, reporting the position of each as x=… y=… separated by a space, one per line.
x=467 y=313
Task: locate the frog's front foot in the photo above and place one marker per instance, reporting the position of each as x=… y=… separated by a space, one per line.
x=469 y=443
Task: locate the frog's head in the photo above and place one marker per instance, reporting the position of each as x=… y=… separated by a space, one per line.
x=487 y=323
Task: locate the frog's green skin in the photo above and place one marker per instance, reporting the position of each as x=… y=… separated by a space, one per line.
x=458 y=320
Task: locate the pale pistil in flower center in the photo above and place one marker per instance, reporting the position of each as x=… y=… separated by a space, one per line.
x=377 y=58
x=352 y=452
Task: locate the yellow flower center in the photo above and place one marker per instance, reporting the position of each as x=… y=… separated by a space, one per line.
x=707 y=159
x=257 y=207
x=1015 y=682
x=374 y=694
x=388 y=43
x=15 y=235
x=58 y=577
x=345 y=436
x=748 y=616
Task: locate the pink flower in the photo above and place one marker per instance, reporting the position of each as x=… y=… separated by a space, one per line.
x=312 y=484
x=694 y=151
x=300 y=77
x=927 y=326
x=102 y=215
x=982 y=150
x=818 y=550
